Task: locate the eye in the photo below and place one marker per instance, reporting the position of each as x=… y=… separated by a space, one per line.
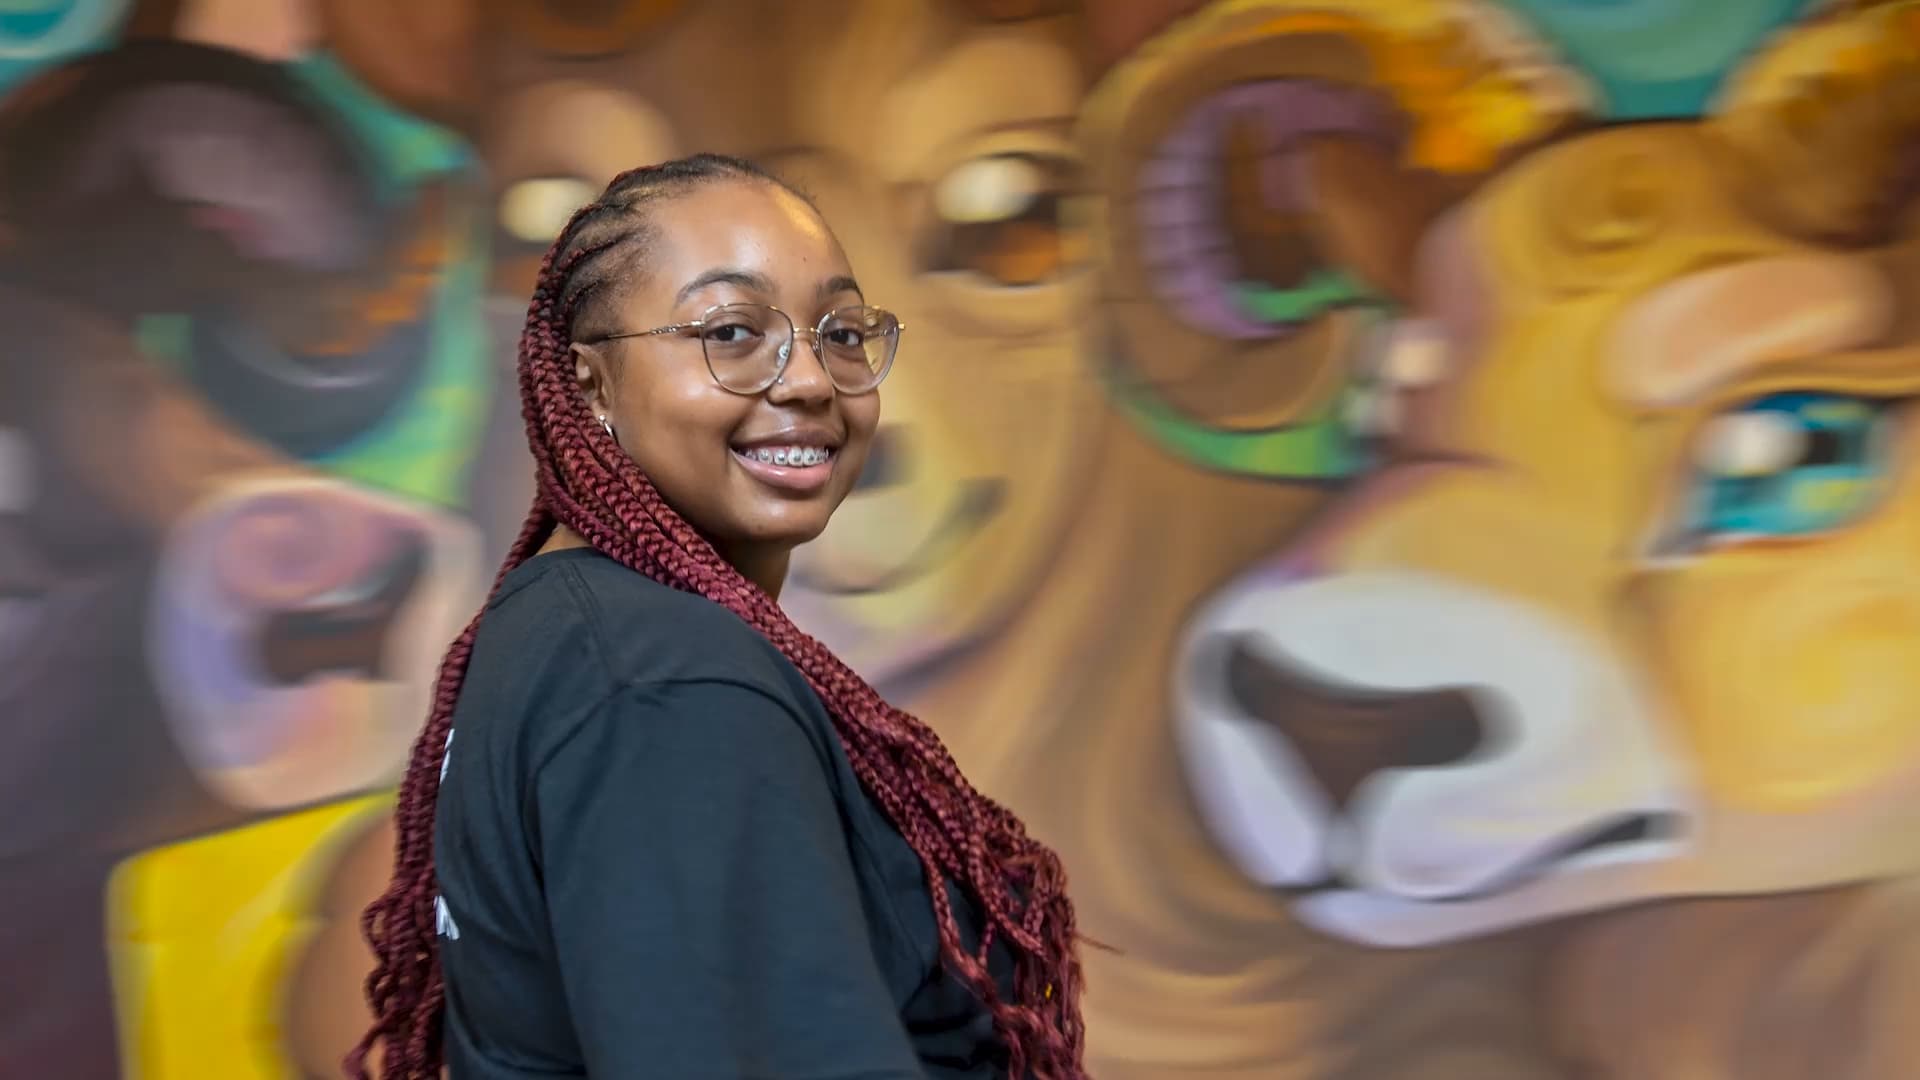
x=1788 y=465
x=304 y=402
x=851 y=332
x=1008 y=218
x=846 y=337
x=730 y=333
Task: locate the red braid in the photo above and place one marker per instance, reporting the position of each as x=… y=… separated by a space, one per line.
x=585 y=481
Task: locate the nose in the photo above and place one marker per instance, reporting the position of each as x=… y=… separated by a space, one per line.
x=291 y=622
x=1343 y=737
x=329 y=573
x=804 y=377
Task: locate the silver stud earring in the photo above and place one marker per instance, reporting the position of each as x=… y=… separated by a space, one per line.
x=607 y=425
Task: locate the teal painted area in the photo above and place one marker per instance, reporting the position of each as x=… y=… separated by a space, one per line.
x=1840 y=475
x=425 y=448
x=167 y=339
x=406 y=150
x=422 y=450
x=36 y=33
x=1657 y=58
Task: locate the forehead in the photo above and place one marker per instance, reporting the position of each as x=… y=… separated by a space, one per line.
x=757 y=227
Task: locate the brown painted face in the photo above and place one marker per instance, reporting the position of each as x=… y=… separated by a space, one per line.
x=940 y=146
x=758 y=469
x=936 y=136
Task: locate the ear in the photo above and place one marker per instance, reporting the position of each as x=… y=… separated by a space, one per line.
x=593 y=375
x=1821 y=124
x=1272 y=171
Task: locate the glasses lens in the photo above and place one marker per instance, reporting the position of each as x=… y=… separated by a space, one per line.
x=743 y=343
x=858 y=344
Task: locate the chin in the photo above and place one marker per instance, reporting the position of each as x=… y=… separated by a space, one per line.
x=792 y=536
x=787 y=529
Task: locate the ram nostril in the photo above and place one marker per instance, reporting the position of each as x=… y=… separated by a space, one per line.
x=1344 y=736
x=350 y=634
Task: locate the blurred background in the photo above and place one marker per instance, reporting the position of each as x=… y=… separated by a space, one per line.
x=1415 y=500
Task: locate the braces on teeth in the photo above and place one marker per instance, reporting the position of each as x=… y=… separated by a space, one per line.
x=800 y=455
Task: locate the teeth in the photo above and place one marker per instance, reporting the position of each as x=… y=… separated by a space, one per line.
x=796 y=456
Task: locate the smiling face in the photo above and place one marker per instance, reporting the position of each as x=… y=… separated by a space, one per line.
x=757 y=472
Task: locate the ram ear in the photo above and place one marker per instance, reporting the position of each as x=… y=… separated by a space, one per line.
x=1270 y=169
x=423 y=56
x=1822 y=124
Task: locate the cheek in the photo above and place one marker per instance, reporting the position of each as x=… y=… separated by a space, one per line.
x=672 y=429
x=862 y=417
x=1796 y=683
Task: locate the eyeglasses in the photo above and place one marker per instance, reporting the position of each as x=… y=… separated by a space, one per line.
x=747 y=346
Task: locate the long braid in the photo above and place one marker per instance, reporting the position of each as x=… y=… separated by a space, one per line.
x=585 y=481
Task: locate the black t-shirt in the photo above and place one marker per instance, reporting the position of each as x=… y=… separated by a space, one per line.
x=654 y=859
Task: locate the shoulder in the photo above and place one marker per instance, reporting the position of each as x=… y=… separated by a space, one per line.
x=721 y=736
x=635 y=629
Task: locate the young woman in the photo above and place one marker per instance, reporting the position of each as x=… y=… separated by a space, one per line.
x=651 y=829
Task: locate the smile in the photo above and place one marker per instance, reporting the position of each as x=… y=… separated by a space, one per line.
x=797 y=469
x=788 y=456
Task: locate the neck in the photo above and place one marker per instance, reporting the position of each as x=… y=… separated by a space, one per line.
x=764 y=566
x=561 y=539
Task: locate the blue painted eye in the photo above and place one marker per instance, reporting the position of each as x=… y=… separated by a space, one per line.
x=1788 y=465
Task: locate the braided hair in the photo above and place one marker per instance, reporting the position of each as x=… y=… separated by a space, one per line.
x=586 y=482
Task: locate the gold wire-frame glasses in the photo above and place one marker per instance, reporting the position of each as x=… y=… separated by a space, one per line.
x=747 y=346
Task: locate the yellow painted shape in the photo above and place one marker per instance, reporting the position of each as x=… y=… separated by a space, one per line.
x=200 y=935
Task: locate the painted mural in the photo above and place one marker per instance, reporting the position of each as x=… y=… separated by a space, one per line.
x=1412 y=498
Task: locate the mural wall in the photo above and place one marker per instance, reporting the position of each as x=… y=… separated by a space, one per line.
x=1414 y=499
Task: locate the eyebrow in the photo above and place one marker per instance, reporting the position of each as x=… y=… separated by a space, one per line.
x=747 y=279
x=834 y=285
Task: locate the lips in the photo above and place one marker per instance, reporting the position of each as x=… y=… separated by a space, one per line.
x=798 y=459
x=795 y=465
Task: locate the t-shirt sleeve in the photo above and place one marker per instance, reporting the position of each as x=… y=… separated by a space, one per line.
x=704 y=908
